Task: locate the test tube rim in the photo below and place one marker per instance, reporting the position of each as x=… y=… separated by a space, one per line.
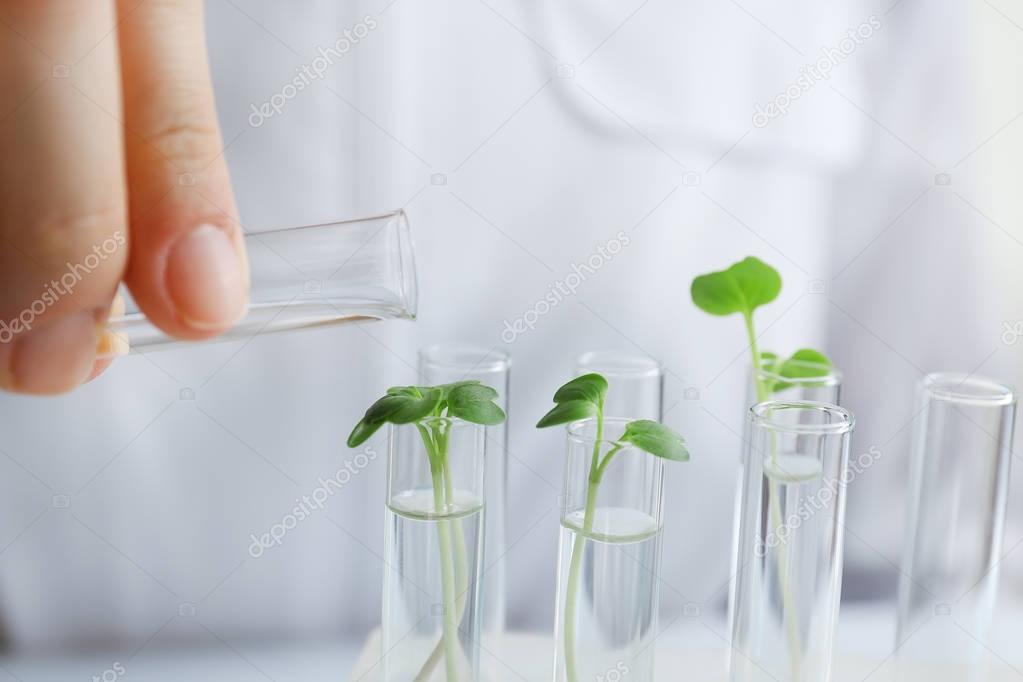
x=946 y=386
x=832 y=377
x=575 y=434
x=760 y=415
x=649 y=365
x=500 y=362
x=397 y=213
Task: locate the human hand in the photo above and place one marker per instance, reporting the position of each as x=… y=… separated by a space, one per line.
x=111 y=168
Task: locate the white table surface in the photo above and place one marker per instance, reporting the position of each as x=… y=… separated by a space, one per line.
x=692 y=644
x=692 y=649
x=254 y=662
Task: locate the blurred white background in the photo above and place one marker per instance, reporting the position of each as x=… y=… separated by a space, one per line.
x=519 y=136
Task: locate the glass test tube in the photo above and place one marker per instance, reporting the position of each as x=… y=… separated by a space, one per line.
x=789 y=572
x=959 y=478
x=825 y=387
x=434 y=550
x=447 y=363
x=304 y=277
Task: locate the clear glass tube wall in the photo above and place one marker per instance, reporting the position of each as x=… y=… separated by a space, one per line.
x=434 y=550
x=446 y=363
x=302 y=277
x=959 y=478
x=635 y=382
x=789 y=570
x=826 y=388
x=608 y=560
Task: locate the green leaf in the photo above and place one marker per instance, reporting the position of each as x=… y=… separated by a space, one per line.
x=805 y=363
x=655 y=438
x=475 y=403
x=445 y=389
x=403 y=409
x=486 y=413
x=566 y=412
x=412 y=391
x=362 y=432
x=741 y=288
x=589 y=387
x=475 y=391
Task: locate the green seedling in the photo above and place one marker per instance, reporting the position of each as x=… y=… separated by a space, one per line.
x=427 y=407
x=742 y=288
x=583 y=398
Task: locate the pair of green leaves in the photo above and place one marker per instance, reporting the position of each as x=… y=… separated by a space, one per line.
x=742 y=288
x=580 y=398
x=471 y=401
x=583 y=398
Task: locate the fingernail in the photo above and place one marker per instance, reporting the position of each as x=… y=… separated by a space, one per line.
x=54 y=357
x=205 y=279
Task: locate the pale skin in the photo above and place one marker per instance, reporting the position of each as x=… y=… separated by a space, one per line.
x=111 y=166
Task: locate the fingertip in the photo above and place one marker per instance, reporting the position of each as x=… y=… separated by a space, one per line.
x=206 y=279
x=53 y=358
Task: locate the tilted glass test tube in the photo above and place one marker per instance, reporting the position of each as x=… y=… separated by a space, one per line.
x=303 y=277
x=635 y=382
x=447 y=363
x=789 y=571
x=959 y=481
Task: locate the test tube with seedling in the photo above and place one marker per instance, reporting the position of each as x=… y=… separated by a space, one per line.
x=789 y=574
x=611 y=526
x=435 y=506
x=452 y=362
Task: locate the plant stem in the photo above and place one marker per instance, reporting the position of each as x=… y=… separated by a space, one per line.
x=450 y=635
x=461 y=571
x=571 y=588
x=789 y=614
x=436 y=448
x=575 y=564
x=751 y=335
